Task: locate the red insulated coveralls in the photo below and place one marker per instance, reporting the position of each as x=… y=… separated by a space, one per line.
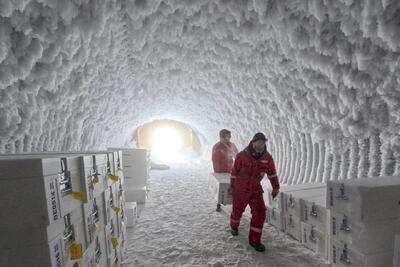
x=246 y=175
x=223 y=156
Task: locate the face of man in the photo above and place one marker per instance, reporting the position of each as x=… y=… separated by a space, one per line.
x=259 y=146
x=226 y=139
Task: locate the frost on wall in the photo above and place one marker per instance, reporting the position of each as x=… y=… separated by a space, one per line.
x=320 y=78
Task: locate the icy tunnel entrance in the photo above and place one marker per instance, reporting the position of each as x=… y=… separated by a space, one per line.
x=169 y=141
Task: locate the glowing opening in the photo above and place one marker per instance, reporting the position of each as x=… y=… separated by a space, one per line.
x=166 y=144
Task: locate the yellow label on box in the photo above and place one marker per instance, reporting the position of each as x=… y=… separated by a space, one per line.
x=95 y=179
x=75 y=251
x=95 y=226
x=116 y=209
x=97 y=264
x=114 y=242
x=78 y=196
x=114 y=178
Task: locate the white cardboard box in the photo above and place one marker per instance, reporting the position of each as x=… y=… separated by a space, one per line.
x=370 y=199
x=274 y=217
x=136 y=164
x=95 y=175
x=277 y=202
x=88 y=259
x=92 y=214
x=292 y=226
x=30 y=188
x=107 y=196
x=120 y=193
x=50 y=254
x=314 y=212
x=371 y=237
x=138 y=195
x=131 y=213
x=134 y=182
x=121 y=220
x=344 y=255
x=110 y=252
x=314 y=239
x=95 y=253
x=25 y=236
x=218 y=185
x=292 y=202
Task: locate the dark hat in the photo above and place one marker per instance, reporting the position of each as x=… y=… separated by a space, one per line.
x=259 y=136
x=223 y=132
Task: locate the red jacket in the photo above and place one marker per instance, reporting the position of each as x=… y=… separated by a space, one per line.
x=223 y=156
x=247 y=172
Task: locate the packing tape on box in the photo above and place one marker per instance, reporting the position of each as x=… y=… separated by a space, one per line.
x=75 y=251
x=114 y=178
x=78 y=196
x=116 y=209
x=114 y=242
x=94 y=181
x=95 y=227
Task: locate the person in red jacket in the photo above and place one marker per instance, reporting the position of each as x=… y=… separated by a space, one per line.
x=224 y=152
x=249 y=167
x=223 y=155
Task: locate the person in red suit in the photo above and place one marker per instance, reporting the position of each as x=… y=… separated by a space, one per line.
x=223 y=155
x=249 y=168
x=224 y=152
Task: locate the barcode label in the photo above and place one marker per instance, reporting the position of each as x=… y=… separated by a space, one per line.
x=53 y=198
x=56 y=255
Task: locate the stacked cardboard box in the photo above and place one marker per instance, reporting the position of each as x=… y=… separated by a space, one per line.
x=136 y=168
x=55 y=209
x=300 y=212
x=278 y=208
x=313 y=224
x=363 y=222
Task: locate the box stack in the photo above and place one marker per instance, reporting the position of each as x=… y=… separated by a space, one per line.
x=131 y=213
x=293 y=209
x=286 y=203
x=313 y=224
x=136 y=166
x=300 y=211
x=60 y=209
x=363 y=221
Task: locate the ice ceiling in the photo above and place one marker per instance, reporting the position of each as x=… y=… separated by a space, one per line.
x=319 y=77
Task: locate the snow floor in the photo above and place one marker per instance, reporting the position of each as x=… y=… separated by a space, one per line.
x=178 y=226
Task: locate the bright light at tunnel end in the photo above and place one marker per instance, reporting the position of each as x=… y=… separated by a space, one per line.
x=166 y=145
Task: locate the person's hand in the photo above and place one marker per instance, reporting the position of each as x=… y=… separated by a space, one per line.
x=275 y=192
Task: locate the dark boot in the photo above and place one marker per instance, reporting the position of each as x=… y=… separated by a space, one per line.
x=257 y=246
x=234 y=232
x=218 y=208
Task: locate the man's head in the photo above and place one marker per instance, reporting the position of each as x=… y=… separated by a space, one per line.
x=259 y=142
x=225 y=136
